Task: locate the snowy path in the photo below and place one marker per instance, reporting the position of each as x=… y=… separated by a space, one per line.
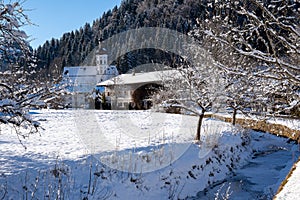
x=291 y=190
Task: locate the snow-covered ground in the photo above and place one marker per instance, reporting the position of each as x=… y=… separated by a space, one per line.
x=290 y=123
x=125 y=155
x=58 y=140
x=291 y=190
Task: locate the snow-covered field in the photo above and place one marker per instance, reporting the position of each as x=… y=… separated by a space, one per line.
x=124 y=155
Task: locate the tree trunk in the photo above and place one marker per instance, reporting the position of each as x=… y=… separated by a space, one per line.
x=234 y=116
x=199 y=126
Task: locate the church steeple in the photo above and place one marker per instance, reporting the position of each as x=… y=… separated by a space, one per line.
x=101 y=59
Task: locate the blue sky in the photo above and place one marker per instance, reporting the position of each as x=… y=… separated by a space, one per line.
x=56 y=17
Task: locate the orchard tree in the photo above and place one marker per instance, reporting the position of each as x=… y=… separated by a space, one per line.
x=196 y=86
x=238 y=85
x=268 y=31
x=264 y=37
x=236 y=95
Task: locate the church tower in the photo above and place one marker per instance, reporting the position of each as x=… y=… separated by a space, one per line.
x=101 y=60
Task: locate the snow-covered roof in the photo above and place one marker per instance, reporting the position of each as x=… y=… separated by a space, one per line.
x=80 y=70
x=134 y=78
x=101 y=51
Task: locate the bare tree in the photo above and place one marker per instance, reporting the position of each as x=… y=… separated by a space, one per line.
x=256 y=43
x=267 y=31
x=196 y=87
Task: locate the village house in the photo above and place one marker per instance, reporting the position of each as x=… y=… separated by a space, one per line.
x=83 y=79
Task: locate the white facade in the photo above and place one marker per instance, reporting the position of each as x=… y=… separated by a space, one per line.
x=82 y=80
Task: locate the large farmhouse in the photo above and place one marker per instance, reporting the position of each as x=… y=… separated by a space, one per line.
x=83 y=79
x=133 y=91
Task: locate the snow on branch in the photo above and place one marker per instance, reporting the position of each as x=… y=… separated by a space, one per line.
x=20 y=90
x=261 y=36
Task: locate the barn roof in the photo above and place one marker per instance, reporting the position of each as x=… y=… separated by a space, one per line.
x=135 y=78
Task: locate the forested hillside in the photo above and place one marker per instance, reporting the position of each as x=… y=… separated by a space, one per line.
x=180 y=15
x=72 y=48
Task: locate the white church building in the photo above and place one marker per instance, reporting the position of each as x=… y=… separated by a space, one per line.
x=82 y=80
